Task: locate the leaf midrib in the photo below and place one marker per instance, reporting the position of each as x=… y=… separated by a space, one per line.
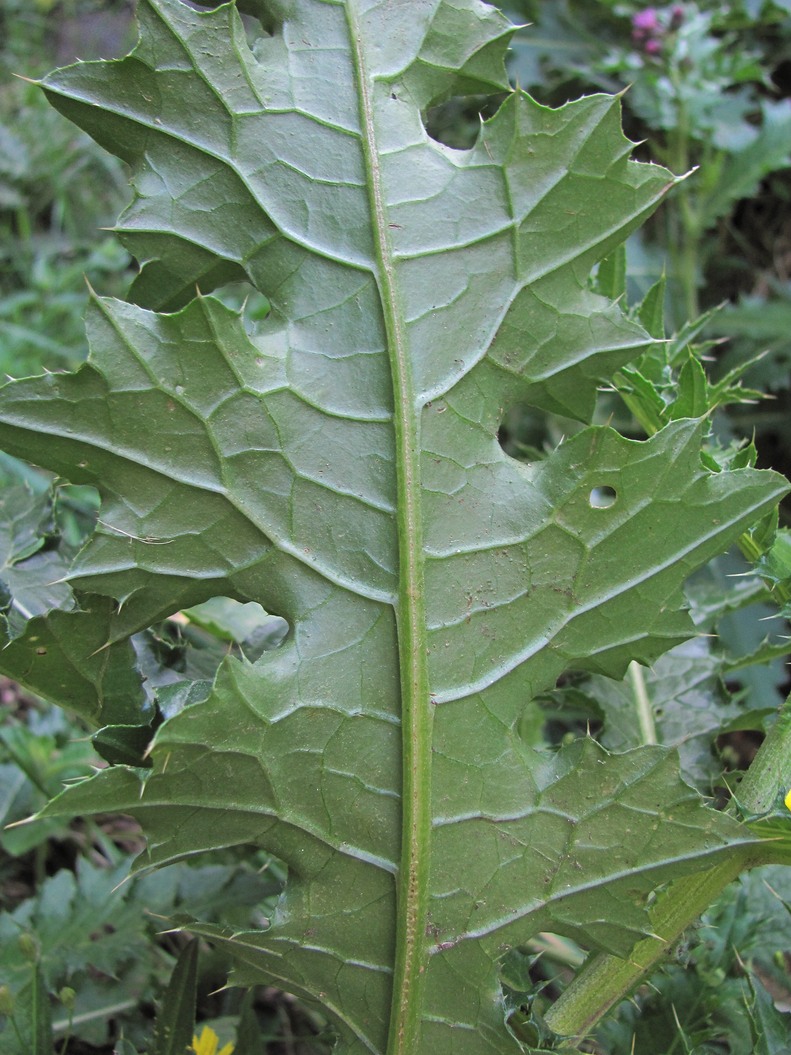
x=416 y=719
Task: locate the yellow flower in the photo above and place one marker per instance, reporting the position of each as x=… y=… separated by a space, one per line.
x=207 y=1043
x=788 y=800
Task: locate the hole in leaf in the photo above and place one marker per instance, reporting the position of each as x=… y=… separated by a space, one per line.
x=244 y=298
x=566 y=713
x=528 y=434
x=244 y=626
x=254 y=30
x=602 y=497
x=738 y=747
x=76 y=509
x=255 y=19
x=180 y=656
x=243 y=886
x=457 y=122
x=528 y=976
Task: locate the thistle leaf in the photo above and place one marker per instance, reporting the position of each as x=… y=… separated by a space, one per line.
x=339 y=465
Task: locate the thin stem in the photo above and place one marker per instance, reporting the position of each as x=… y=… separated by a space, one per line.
x=99 y=1014
x=645 y=714
x=67 y=1037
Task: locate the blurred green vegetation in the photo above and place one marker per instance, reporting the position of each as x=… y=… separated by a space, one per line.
x=57 y=190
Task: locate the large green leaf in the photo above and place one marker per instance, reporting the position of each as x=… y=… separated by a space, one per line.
x=340 y=467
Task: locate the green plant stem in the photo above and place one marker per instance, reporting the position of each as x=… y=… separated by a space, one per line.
x=687 y=262
x=97 y=1015
x=645 y=714
x=606 y=979
x=65 y=1045
x=24 y=226
x=40 y=863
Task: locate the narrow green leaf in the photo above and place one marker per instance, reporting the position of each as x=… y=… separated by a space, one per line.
x=692 y=400
x=33 y=1017
x=643 y=399
x=248 y=1032
x=652 y=310
x=611 y=275
x=689 y=335
x=175 y=1024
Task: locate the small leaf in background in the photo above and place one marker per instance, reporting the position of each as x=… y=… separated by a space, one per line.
x=36 y=759
x=692 y=398
x=247 y=625
x=97 y=932
x=739 y=176
x=30 y=577
x=28 y=1030
x=775 y=564
x=772 y=1027
x=248 y=1032
x=176 y=1017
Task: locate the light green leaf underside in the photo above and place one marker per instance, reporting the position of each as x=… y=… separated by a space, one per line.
x=341 y=468
x=577 y=839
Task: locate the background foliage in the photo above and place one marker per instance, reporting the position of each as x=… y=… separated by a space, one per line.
x=709 y=88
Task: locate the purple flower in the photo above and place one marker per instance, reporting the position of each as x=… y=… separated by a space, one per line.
x=648 y=31
x=645 y=22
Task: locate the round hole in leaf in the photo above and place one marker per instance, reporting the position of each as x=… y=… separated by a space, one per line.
x=602 y=497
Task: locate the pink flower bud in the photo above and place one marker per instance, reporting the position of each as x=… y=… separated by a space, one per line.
x=645 y=22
